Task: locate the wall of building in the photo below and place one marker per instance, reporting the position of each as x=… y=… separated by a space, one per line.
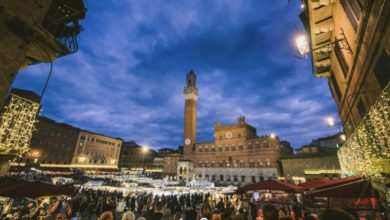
x=238 y=152
x=96 y=151
x=170 y=164
x=134 y=156
x=52 y=144
x=305 y=166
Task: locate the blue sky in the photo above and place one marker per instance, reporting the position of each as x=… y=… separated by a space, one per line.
x=127 y=78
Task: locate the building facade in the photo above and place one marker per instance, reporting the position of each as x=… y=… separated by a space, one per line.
x=311 y=162
x=52 y=144
x=170 y=164
x=135 y=157
x=237 y=155
x=350 y=42
x=96 y=151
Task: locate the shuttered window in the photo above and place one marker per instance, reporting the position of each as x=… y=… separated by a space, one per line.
x=353 y=11
x=382 y=70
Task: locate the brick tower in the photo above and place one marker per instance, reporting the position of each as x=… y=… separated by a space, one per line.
x=191 y=96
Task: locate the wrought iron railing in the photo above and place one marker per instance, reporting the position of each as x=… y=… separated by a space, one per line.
x=367 y=150
x=62 y=21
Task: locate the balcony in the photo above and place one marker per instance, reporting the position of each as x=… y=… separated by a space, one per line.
x=367 y=150
x=56 y=36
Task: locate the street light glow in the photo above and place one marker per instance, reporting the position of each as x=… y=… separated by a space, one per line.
x=330 y=121
x=301 y=44
x=273 y=135
x=343 y=137
x=145 y=149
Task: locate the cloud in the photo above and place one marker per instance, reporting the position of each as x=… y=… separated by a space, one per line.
x=127 y=78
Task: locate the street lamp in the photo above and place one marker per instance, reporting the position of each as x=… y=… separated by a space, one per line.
x=302 y=44
x=330 y=121
x=303 y=47
x=145 y=149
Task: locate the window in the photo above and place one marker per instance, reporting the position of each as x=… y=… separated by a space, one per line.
x=213 y=149
x=220 y=177
x=240 y=147
x=335 y=86
x=352 y=9
x=220 y=149
x=250 y=147
x=234 y=148
x=257 y=146
x=226 y=148
x=200 y=150
x=242 y=178
x=340 y=57
x=382 y=70
x=266 y=145
x=235 y=179
x=239 y=135
x=361 y=108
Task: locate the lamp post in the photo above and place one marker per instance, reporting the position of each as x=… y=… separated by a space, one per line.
x=304 y=49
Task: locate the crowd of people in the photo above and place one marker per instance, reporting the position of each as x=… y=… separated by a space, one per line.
x=105 y=205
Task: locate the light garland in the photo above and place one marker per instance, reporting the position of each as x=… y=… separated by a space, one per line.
x=367 y=150
x=17 y=125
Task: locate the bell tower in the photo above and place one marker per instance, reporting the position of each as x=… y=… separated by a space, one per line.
x=191 y=96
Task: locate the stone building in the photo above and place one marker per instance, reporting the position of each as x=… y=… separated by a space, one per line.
x=350 y=46
x=170 y=164
x=35 y=31
x=311 y=162
x=94 y=151
x=135 y=157
x=52 y=144
x=237 y=154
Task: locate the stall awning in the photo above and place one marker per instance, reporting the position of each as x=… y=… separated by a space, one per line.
x=271 y=186
x=344 y=188
x=21 y=189
x=313 y=182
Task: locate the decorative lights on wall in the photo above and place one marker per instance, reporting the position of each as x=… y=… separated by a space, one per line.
x=17 y=125
x=367 y=151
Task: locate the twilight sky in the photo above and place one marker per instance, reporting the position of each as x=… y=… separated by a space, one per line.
x=127 y=78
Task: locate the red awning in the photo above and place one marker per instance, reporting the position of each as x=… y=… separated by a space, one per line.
x=271 y=186
x=21 y=189
x=353 y=187
x=313 y=182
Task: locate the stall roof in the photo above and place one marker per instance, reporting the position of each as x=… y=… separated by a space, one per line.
x=270 y=185
x=314 y=182
x=21 y=189
x=354 y=187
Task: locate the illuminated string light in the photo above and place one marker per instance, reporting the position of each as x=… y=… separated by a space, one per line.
x=366 y=152
x=17 y=125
